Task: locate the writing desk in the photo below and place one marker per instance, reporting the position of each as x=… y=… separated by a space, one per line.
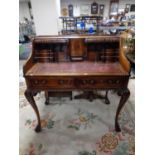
x=43 y=72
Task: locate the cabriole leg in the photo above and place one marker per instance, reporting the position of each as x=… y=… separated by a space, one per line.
x=29 y=97
x=125 y=93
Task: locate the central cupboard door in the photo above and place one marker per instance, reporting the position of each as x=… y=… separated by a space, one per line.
x=77 y=48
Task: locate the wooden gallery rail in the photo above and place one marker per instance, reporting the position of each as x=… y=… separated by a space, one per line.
x=68 y=63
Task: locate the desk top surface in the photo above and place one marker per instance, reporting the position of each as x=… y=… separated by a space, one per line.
x=76 y=69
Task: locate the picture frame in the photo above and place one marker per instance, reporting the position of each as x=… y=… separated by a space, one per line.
x=113 y=8
x=132 y=8
x=64 y=12
x=127 y=8
x=101 y=9
x=85 y=9
x=70 y=10
x=94 y=8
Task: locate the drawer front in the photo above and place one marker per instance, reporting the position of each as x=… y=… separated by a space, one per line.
x=77 y=82
x=101 y=82
x=77 y=47
x=51 y=83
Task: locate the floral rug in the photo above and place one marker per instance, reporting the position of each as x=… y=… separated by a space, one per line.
x=76 y=127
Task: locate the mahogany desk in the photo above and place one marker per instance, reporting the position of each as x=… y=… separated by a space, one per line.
x=43 y=71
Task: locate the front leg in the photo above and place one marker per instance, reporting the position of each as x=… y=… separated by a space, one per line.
x=29 y=96
x=124 y=93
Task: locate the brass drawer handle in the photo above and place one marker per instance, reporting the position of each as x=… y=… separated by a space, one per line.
x=91 y=81
x=61 y=81
x=87 y=81
x=113 y=81
x=43 y=82
x=110 y=81
x=36 y=82
x=84 y=82
x=117 y=81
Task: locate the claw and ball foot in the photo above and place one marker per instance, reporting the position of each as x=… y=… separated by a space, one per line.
x=38 y=128
x=29 y=96
x=47 y=102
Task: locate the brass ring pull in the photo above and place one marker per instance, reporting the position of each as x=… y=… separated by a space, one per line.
x=36 y=82
x=110 y=81
x=117 y=81
x=61 y=81
x=84 y=82
x=91 y=81
x=43 y=81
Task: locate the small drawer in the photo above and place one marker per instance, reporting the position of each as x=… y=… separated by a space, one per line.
x=51 y=82
x=101 y=82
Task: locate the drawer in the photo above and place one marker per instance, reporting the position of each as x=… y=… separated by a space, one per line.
x=51 y=82
x=100 y=82
x=82 y=82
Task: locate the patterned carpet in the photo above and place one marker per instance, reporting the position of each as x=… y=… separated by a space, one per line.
x=76 y=127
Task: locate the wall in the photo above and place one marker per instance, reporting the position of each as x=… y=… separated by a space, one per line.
x=46 y=14
x=23 y=11
x=77 y=3
x=122 y=3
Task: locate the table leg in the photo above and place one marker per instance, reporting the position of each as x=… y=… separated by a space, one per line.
x=47 y=98
x=29 y=97
x=125 y=93
x=106 y=98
